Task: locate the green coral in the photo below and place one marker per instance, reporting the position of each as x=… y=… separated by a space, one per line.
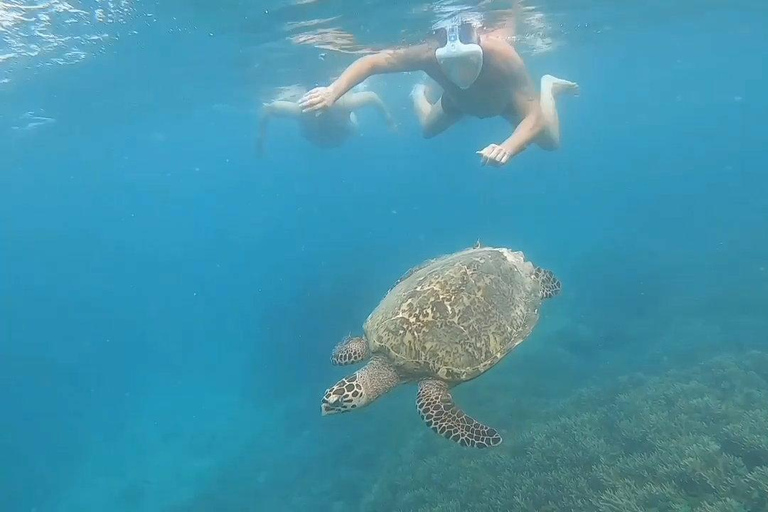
x=690 y=441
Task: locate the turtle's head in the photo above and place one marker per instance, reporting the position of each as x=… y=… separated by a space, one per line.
x=361 y=388
x=346 y=395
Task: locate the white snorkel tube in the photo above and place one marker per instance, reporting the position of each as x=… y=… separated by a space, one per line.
x=461 y=61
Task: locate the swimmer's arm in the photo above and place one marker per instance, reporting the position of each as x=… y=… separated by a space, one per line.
x=526 y=105
x=274 y=109
x=526 y=132
x=364 y=99
x=391 y=61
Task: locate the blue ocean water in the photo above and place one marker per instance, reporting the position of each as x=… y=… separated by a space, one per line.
x=169 y=299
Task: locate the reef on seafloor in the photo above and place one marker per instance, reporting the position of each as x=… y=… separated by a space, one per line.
x=694 y=440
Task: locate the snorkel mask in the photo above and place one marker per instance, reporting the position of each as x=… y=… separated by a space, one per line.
x=459 y=55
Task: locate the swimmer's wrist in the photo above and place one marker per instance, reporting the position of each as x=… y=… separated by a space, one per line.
x=334 y=89
x=513 y=148
x=507 y=146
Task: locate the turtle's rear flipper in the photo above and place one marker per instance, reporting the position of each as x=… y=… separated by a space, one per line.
x=438 y=411
x=349 y=351
x=550 y=285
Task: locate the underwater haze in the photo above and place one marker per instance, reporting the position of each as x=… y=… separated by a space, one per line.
x=169 y=298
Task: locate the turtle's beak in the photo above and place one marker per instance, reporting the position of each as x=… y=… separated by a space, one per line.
x=329 y=404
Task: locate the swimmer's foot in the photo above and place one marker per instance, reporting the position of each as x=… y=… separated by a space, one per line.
x=559 y=86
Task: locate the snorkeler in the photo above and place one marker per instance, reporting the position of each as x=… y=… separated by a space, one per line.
x=480 y=76
x=327 y=129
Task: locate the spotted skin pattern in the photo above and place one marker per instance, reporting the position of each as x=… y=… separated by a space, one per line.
x=349 y=351
x=438 y=411
x=444 y=322
x=361 y=388
x=340 y=397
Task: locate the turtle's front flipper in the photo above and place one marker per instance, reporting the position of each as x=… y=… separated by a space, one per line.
x=438 y=411
x=550 y=285
x=349 y=351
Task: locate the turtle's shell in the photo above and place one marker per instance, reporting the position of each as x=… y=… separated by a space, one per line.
x=456 y=316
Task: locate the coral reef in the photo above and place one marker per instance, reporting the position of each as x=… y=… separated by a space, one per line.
x=688 y=441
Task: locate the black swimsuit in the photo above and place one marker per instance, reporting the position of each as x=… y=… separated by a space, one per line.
x=449 y=105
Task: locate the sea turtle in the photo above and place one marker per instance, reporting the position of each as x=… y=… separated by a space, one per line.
x=444 y=322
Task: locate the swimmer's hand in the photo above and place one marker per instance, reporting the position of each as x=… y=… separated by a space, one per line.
x=494 y=155
x=317 y=100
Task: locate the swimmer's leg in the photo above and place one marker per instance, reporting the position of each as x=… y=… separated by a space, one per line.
x=433 y=119
x=274 y=109
x=432 y=91
x=354 y=101
x=282 y=109
x=551 y=88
